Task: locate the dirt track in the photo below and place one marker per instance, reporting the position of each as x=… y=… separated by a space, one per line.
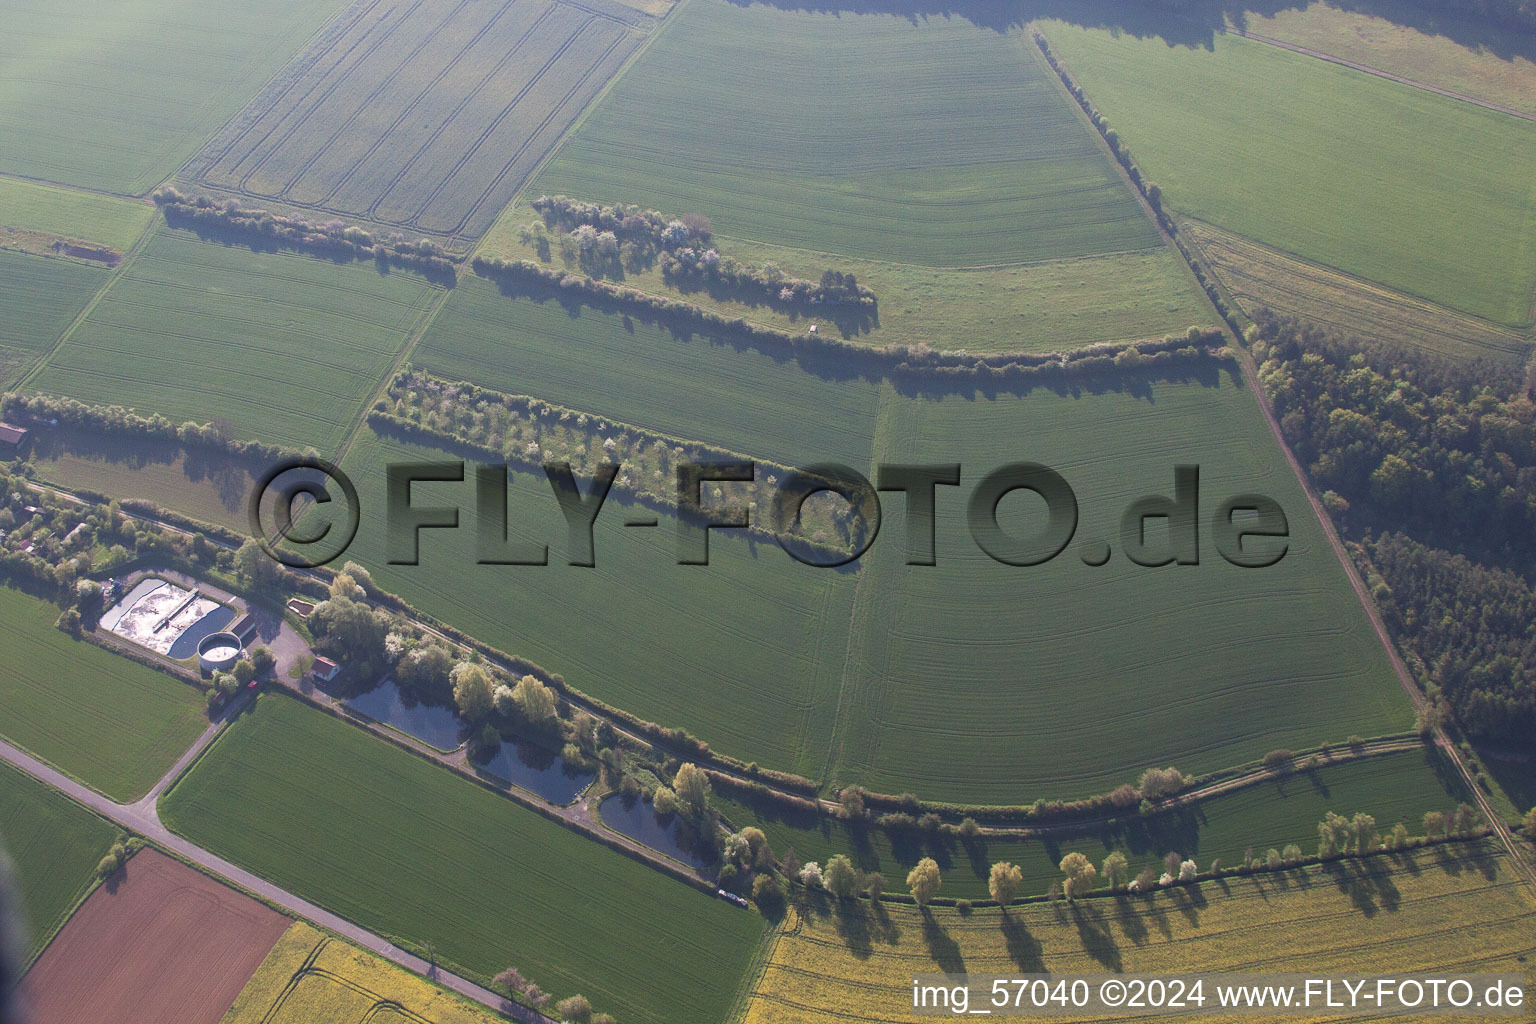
x=161 y=943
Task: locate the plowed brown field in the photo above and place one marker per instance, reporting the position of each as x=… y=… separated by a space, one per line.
x=161 y=943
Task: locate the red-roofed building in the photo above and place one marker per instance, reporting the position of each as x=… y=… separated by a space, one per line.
x=324 y=669
x=12 y=436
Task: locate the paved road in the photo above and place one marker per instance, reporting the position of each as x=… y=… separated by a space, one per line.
x=143 y=818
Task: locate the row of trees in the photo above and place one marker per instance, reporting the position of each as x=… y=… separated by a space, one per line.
x=332 y=238
x=766 y=284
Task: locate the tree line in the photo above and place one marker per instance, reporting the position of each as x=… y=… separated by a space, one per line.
x=1430 y=464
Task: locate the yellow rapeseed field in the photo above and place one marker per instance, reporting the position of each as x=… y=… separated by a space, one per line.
x=309 y=977
x=1426 y=911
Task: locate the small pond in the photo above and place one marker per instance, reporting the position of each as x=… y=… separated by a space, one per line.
x=434 y=724
x=186 y=644
x=537 y=769
x=672 y=836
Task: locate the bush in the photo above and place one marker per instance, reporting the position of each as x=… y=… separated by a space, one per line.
x=1279 y=760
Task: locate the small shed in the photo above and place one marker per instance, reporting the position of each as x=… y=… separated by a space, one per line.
x=12 y=436
x=244 y=627
x=324 y=669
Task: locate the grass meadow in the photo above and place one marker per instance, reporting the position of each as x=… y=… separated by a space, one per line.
x=70 y=213
x=1257 y=276
x=1045 y=306
x=112 y=723
x=1390 y=787
x=410 y=850
x=211 y=490
x=1475 y=59
x=940 y=142
x=1449 y=909
x=115 y=97
x=1416 y=191
x=427 y=117
x=38 y=299
x=288 y=348
x=53 y=845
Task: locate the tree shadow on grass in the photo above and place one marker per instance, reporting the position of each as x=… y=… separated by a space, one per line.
x=1094 y=933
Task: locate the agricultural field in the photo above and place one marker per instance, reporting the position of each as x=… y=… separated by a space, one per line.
x=1046 y=306
x=1257 y=276
x=408 y=849
x=310 y=977
x=71 y=213
x=211 y=490
x=38 y=299
x=698 y=386
x=1483 y=61
x=969 y=622
x=1457 y=909
x=1112 y=669
x=428 y=117
x=942 y=142
x=1415 y=191
x=112 y=723
x=159 y=941
x=115 y=97
x=287 y=348
x=745 y=652
x=1390 y=787
x=53 y=845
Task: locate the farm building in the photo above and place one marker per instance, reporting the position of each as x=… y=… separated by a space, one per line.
x=244 y=627
x=324 y=669
x=12 y=436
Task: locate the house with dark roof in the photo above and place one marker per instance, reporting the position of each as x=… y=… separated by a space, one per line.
x=12 y=436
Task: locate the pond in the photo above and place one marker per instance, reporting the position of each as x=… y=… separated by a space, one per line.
x=434 y=724
x=186 y=644
x=537 y=769
x=672 y=836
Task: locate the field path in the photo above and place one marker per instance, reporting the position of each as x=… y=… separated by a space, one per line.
x=143 y=818
x=1330 y=58
x=1415 y=695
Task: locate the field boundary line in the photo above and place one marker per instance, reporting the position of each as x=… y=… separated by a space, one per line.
x=651 y=35
x=1385 y=292
x=1416 y=697
x=1243 y=33
x=122 y=267
x=424 y=322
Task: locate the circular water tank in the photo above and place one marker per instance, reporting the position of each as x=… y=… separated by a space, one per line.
x=218 y=652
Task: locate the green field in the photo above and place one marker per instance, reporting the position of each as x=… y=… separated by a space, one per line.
x=945 y=669
x=428 y=117
x=211 y=490
x=1461 y=908
x=1416 y=191
x=410 y=850
x=744 y=652
x=1391 y=787
x=115 y=96
x=938 y=142
x=285 y=347
x=53 y=844
x=698 y=387
x=38 y=299
x=113 y=724
x=72 y=214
